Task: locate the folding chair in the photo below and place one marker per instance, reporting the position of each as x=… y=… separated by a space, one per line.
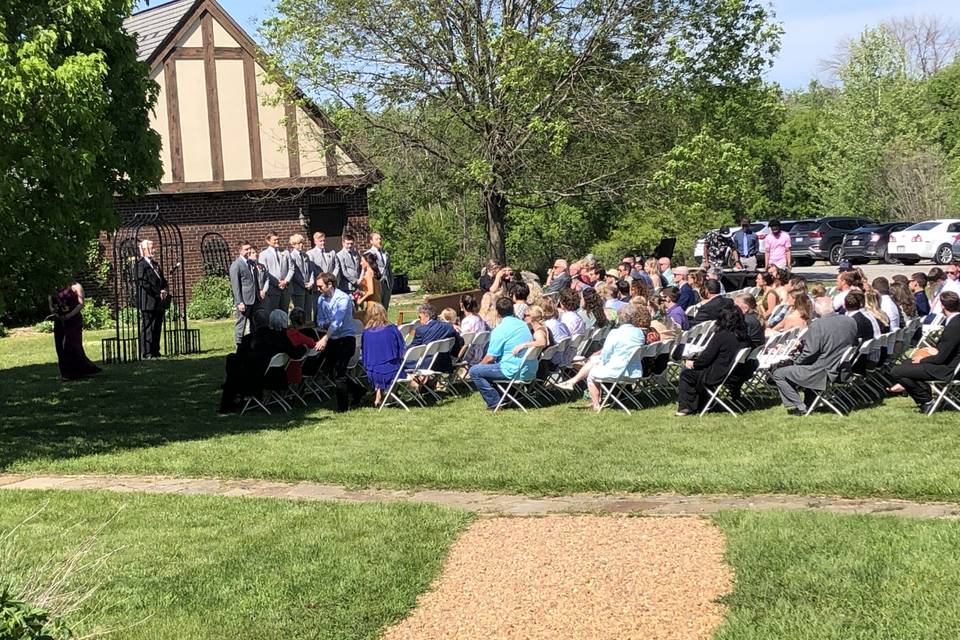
x=313 y=377
x=717 y=389
x=425 y=372
x=942 y=391
x=277 y=365
x=834 y=393
x=407 y=329
x=617 y=388
x=403 y=380
x=515 y=384
x=291 y=391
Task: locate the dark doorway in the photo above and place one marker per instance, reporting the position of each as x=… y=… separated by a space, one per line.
x=331 y=219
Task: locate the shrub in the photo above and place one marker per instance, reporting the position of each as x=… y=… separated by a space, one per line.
x=3 y=331
x=447 y=279
x=44 y=326
x=96 y=315
x=211 y=300
x=21 y=620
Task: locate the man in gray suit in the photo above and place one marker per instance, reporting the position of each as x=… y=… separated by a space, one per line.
x=323 y=262
x=246 y=290
x=385 y=268
x=302 y=284
x=823 y=345
x=279 y=272
x=349 y=261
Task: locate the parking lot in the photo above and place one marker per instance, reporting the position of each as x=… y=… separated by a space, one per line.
x=824 y=271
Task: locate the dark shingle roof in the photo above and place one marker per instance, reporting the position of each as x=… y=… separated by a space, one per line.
x=152 y=26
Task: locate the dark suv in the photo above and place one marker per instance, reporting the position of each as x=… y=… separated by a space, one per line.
x=870 y=242
x=822 y=239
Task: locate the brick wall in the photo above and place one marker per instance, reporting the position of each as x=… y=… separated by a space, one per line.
x=243 y=216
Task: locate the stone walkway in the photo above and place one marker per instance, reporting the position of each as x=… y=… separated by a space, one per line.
x=487 y=503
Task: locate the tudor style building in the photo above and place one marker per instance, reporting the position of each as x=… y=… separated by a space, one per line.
x=238 y=159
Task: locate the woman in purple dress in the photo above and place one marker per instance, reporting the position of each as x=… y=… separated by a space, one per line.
x=66 y=306
x=382 y=348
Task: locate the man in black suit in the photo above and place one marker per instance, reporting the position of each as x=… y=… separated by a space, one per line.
x=713 y=306
x=152 y=300
x=914 y=376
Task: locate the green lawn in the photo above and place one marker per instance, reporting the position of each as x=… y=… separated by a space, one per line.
x=802 y=576
x=200 y=567
x=157 y=417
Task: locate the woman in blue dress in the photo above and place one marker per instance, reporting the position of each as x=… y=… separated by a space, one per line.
x=382 y=349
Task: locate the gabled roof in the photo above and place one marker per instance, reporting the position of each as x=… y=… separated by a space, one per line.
x=153 y=25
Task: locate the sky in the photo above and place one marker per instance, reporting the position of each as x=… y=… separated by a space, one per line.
x=812 y=28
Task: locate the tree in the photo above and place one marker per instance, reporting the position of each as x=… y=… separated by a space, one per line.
x=527 y=102
x=74 y=132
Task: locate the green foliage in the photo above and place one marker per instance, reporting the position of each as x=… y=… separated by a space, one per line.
x=536 y=237
x=74 y=132
x=3 y=331
x=447 y=279
x=96 y=315
x=20 y=620
x=211 y=299
x=44 y=326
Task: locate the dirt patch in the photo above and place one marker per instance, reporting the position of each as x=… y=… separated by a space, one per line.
x=576 y=577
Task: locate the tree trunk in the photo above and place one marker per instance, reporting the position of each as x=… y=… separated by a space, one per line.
x=495 y=206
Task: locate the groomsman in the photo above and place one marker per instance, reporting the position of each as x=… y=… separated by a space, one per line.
x=245 y=283
x=323 y=262
x=385 y=268
x=152 y=300
x=302 y=283
x=349 y=261
x=279 y=272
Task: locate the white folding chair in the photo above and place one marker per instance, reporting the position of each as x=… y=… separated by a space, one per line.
x=834 y=394
x=617 y=388
x=407 y=329
x=403 y=380
x=425 y=370
x=717 y=389
x=515 y=384
x=942 y=391
x=270 y=396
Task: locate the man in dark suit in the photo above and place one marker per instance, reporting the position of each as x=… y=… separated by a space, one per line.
x=867 y=326
x=914 y=376
x=384 y=266
x=303 y=281
x=245 y=283
x=152 y=300
x=430 y=330
x=713 y=306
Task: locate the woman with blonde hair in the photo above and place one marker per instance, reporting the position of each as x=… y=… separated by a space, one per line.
x=652 y=269
x=800 y=313
x=822 y=303
x=872 y=305
x=382 y=347
x=541 y=338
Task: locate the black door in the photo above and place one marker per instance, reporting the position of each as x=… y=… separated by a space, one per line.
x=331 y=219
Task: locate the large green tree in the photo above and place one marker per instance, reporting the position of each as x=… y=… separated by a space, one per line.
x=526 y=102
x=74 y=132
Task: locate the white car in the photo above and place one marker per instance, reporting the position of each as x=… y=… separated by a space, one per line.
x=931 y=240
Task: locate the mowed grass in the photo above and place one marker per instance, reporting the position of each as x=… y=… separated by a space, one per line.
x=158 y=417
x=200 y=567
x=804 y=576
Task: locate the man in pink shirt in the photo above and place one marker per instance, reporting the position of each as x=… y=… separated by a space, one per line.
x=776 y=246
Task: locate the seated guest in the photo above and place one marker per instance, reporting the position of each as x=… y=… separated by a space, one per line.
x=569 y=304
x=624 y=269
x=918 y=285
x=666 y=272
x=614 y=359
x=471 y=323
x=591 y=311
x=867 y=326
x=382 y=349
x=673 y=310
x=617 y=294
x=449 y=315
x=519 y=292
x=847 y=281
x=687 y=296
x=697 y=281
x=245 y=369
x=558 y=278
x=652 y=269
x=800 y=311
x=872 y=307
x=261 y=323
x=906 y=303
x=713 y=305
x=823 y=345
x=715 y=273
x=557 y=330
x=748 y=307
x=711 y=366
x=430 y=330
x=298 y=322
x=500 y=363
x=541 y=338
x=914 y=376
x=638 y=289
x=822 y=303
x=889 y=306
x=769 y=298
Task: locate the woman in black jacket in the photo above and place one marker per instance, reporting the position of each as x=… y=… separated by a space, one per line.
x=713 y=363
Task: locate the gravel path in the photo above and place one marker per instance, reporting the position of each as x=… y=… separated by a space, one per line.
x=486 y=503
x=576 y=577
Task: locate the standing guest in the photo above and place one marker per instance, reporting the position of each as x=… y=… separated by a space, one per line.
x=323 y=262
x=713 y=305
x=246 y=287
x=279 y=271
x=519 y=292
x=674 y=311
x=800 y=311
x=384 y=266
x=746 y=244
x=487 y=275
x=335 y=317
x=823 y=345
x=717 y=247
x=711 y=366
x=303 y=280
x=368 y=284
x=591 y=311
x=915 y=376
x=430 y=330
x=558 y=278
x=349 y=261
x=748 y=307
x=382 y=349
x=152 y=300
x=569 y=305
x=666 y=272
x=297 y=322
x=500 y=363
x=918 y=285
x=67 y=306
x=652 y=269
x=776 y=247
x=822 y=303
x=900 y=292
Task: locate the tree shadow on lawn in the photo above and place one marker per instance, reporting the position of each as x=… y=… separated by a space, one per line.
x=132 y=405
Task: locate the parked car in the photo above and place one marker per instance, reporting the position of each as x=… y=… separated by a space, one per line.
x=822 y=238
x=870 y=242
x=759 y=228
x=930 y=240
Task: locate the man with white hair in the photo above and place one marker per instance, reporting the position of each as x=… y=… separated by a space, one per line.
x=152 y=300
x=558 y=278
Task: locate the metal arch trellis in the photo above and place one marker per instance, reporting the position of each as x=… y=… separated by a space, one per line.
x=215 y=253
x=177 y=337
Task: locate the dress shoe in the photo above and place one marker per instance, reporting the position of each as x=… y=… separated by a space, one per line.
x=925 y=407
